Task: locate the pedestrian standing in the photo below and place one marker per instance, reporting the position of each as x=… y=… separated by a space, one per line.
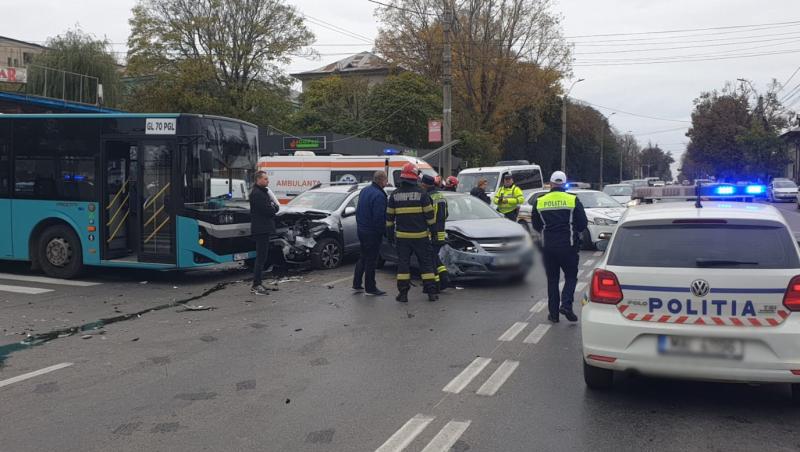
x=479 y=191
x=371 y=226
x=263 y=207
x=509 y=198
x=440 y=236
x=409 y=224
x=560 y=219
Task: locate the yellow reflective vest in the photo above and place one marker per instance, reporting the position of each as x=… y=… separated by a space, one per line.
x=508 y=199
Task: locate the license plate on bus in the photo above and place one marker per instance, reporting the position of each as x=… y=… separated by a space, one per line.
x=240 y=256
x=701 y=347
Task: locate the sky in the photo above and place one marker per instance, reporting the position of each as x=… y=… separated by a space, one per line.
x=663 y=90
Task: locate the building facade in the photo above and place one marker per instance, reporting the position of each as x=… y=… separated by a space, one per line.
x=15 y=55
x=363 y=65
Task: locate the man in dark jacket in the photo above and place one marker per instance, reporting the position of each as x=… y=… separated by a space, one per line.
x=479 y=191
x=560 y=219
x=371 y=221
x=262 y=225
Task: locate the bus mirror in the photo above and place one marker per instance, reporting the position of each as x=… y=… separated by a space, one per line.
x=206 y=161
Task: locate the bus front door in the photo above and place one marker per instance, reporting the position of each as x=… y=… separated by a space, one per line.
x=157 y=215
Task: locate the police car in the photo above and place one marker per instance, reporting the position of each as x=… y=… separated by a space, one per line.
x=706 y=293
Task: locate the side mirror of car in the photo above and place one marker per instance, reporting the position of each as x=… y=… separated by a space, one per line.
x=602 y=245
x=349 y=211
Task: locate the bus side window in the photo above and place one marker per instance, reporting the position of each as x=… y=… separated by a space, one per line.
x=5 y=153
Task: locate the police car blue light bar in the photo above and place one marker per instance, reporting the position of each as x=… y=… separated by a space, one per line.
x=755 y=189
x=723 y=190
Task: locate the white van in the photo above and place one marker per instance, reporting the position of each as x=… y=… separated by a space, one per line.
x=291 y=175
x=237 y=189
x=527 y=177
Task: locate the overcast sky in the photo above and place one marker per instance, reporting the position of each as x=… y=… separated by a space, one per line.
x=657 y=90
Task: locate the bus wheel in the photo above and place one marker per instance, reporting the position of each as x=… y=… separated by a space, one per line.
x=327 y=254
x=59 y=252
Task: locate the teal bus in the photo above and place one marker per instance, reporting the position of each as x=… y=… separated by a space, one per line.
x=125 y=190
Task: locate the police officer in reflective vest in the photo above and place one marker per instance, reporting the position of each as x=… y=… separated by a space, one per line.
x=410 y=222
x=437 y=239
x=560 y=219
x=509 y=198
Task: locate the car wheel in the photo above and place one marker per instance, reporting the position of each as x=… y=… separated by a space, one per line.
x=596 y=377
x=586 y=241
x=327 y=254
x=796 y=393
x=59 y=252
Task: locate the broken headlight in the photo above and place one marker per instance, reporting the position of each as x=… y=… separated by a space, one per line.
x=461 y=243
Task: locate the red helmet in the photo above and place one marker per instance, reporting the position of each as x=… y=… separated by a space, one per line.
x=452 y=181
x=409 y=172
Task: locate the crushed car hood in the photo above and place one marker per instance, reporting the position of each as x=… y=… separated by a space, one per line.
x=486 y=229
x=289 y=214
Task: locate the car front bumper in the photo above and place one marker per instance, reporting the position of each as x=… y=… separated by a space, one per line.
x=784 y=197
x=482 y=265
x=769 y=353
x=596 y=230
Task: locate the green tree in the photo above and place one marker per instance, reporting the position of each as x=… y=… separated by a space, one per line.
x=72 y=67
x=214 y=56
x=656 y=162
x=333 y=104
x=399 y=109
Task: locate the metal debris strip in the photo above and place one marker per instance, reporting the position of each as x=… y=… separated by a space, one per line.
x=189 y=307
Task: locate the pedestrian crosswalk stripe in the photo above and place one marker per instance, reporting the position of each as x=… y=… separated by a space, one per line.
x=497 y=379
x=23 y=289
x=580 y=287
x=45 y=280
x=588 y=263
x=512 y=332
x=598 y=253
x=461 y=380
x=403 y=437
x=537 y=334
x=538 y=306
x=447 y=437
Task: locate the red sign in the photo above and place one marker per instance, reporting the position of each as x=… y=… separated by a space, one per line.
x=434 y=131
x=12 y=74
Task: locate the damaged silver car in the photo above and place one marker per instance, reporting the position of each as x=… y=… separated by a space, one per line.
x=481 y=243
x=318 y=227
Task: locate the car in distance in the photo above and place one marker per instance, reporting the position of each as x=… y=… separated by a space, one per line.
x=682 y=293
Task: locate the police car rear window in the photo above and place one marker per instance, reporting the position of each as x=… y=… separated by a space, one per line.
x=704 y=245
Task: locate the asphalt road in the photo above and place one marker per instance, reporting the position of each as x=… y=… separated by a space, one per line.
x=315 y=367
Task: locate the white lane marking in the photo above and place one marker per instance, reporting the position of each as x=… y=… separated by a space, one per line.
x=588 y=263
x=461 y=381
x=497 y=379
x=537 y=334
x=512 y=332
x=44 y=280
x=23 y=289
x=597 y=253
x=333 y=283
x=35 y=373
x=403 y=437
x=447 y=437
x=580 y=287
x=538 y=306
x=580 y=274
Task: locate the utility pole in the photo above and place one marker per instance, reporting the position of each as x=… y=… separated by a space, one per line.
x=564 y=125
x=624 y=153
x=602 y=139
x=447 y=85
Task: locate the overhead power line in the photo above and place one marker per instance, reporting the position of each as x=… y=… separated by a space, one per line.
x=786 y=40
x=660 y=131
x=685 y=60
x=400 y=8
x=788 y=80
x=685 y=30
x=631 y=114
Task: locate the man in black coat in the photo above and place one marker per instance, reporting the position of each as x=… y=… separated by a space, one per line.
x=479 y=191
x=263 y=207
x=371 y=221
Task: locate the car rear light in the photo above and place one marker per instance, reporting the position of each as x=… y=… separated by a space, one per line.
x=601 y=358
x=605 y=288
x=796 y=371
x=792 y=297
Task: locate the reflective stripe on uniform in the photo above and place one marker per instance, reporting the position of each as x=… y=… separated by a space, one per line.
x=404 y=276
x=441 y=236
x=407 y=210
x=411 y=235
x=441 y=269
x=389 y=224
x=428 y=208
x=431 y=222
x=428 y=276
x=390 y=210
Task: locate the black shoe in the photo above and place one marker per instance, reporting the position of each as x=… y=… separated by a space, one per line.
x=552 y=318
x=433 y=297
x=376 y=292
x=358 y=289
x=402 y=297
x=259 y=290
x=569 y=314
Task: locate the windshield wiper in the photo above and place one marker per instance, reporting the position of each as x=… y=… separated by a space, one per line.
x=702 y=262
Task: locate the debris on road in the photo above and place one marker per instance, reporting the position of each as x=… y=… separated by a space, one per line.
x=190 y=307
x=143 y=282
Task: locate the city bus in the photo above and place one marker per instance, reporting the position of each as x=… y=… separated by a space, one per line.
x=125 y=190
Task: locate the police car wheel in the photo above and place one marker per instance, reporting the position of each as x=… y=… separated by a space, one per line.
x=586 y=241
x=596 y=377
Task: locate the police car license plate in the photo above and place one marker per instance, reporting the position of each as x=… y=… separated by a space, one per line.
x=701 y=347
x=506 y=261
x=240 y=256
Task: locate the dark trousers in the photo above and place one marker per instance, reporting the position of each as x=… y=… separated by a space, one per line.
x=262 y=255
x=365 y=267
x=442 y=277
x=422 y=249
x=557 y=260
x=512 y=215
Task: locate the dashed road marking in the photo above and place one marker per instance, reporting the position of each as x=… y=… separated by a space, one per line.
x=537 y=334
x=497 y=379
x=512 y=332
x=447 y=437
x=35 y=373
x=539 y=306
x=461 y=380
x=588 y=263
x=403 y=437
x=23 y=289
x=597 y=253
x=45 y=280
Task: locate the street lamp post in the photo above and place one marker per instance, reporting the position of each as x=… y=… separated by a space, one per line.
x=602 y=139
x=564 y=126
x=626 y=150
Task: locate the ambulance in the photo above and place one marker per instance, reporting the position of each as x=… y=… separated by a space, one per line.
x=291 y=175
